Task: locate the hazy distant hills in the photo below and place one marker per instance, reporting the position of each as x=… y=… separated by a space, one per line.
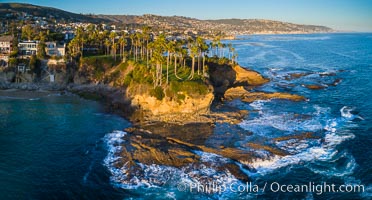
x=232 y=26
x=10 y=10
x=261 y=25
x=229 y=26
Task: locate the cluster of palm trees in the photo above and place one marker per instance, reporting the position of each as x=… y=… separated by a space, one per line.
x=158 y=53
x=174 y=53
x=218 y=49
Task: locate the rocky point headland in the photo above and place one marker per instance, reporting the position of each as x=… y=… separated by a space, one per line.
x=171 y=128
x=136 y=102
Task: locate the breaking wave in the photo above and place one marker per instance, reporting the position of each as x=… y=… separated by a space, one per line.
x=153 y=175
x=304 y=151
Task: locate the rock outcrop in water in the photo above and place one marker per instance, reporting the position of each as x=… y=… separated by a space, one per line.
x=172 y=149
x=224 y=77
x=234 y=82
x=243 y=94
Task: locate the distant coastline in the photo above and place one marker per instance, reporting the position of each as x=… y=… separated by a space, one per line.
x=175 y=25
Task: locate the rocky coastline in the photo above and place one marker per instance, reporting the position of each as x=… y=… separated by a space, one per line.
x=170 y=134
x=228 y=82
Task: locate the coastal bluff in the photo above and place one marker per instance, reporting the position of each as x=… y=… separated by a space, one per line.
x=225 y=82
x=194 y=108
x=138 y=103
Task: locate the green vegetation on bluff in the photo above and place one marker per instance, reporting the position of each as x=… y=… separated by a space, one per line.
x=131 y=75
x=146 y=63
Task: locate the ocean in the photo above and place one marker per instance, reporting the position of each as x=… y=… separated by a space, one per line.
x=64 y=147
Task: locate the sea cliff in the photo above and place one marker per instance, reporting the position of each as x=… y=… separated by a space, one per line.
x=180 y=102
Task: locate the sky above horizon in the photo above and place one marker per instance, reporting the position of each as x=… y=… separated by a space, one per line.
x=344 y=15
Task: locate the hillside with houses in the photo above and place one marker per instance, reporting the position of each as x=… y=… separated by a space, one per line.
x=37 y=40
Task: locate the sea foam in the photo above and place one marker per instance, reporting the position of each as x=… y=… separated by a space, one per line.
x=271 y=125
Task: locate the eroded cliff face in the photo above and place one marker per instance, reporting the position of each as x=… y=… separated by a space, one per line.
x=190 y=109
x=226 y=82
x=248 y=77
x=224 y=77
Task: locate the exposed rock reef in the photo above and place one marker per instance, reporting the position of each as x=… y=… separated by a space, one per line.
x=176 y=149
x=243 y=94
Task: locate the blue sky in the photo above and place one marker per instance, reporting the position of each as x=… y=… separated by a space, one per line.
x=348 y=15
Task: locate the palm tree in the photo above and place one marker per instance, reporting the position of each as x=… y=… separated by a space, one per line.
x=230 y=49
x=216 y=43
x=204 y=49
x=220 y=46
x=151 y=47
x=140 y=44
x=81 y=38
x=199 y=43
x=123 y=43
x=184 y=53
x=137 y=42
x=158 y=58
x=210 y=46
x=101 y=38
x=223 y=49
x=114 y=46
x=132 y=42
x=170 y=47
x=107 y=44
x=193 y=52
x=146 y=37
x=177 y=52
x=234 y=56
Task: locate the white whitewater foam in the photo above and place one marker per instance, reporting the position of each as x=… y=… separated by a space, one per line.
x=211 y=157
x=282 y=122
x=293 y=146
x=258 y=105
x=34 y=99
x=263 y=163
x=113 y=142
x=340 y=171
x=303 y=151
x=346 y=113
x=149 y=176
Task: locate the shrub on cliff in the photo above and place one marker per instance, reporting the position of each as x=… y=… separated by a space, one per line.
x=178 y=89
x=105 y=61
x=140 y=74
x=158 y=93
x=97 y=66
